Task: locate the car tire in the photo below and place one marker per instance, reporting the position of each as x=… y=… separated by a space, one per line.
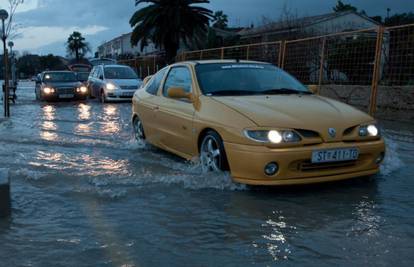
x=102 y=97
x=212 y=153
x=139 y=133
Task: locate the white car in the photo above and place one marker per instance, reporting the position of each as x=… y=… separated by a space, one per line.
x=113 y=83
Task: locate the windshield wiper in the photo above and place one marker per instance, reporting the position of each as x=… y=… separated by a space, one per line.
x=285 y=91
x=231 y=92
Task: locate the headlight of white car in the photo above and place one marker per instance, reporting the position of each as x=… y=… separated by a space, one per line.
x=273 y=136
x=111 y=86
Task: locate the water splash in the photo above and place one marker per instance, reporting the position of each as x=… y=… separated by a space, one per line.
x=392 y=161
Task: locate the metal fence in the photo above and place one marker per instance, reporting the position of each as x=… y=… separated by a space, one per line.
x=145 y=66
x=371 y=69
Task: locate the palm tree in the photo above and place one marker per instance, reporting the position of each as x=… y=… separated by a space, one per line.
x=220 y=20
x=168 y=22
x=77 y=46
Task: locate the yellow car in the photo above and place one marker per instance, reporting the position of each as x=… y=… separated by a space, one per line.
x=256 y=121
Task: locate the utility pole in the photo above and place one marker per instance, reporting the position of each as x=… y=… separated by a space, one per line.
x=3 y=16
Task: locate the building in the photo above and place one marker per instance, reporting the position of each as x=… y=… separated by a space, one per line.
x=292 y=28
x=121 y=46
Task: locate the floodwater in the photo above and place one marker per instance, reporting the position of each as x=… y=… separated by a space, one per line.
x=85 y=194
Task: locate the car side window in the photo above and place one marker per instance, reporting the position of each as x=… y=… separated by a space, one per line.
x=155 y=82
x=178 y=77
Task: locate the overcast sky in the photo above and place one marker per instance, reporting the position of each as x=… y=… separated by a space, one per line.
x=46 y=24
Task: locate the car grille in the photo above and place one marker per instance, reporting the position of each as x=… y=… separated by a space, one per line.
x=306 y=166
x=129 y=87
x=65 y=90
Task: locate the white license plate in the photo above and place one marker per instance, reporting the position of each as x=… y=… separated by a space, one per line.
x=66 y=96
x=334 y=155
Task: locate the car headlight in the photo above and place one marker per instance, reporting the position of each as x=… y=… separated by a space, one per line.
x=273 y=136
x=111 y=86
x=369 y=130
x=82 y=89
x=48 y=90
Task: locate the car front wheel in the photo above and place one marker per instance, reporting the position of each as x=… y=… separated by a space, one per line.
x=212 y=153
x=138 y=130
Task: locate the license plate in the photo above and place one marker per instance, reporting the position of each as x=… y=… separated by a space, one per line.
x=127 y=94
x=334 y=155
x=66 y=96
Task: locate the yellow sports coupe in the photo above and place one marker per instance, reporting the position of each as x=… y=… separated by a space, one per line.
x=256 y=121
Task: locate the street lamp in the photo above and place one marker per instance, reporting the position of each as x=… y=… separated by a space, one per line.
x=3 y=16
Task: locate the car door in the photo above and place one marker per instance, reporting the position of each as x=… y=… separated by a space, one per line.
x=97 y=84
x=175 y=116
x=149 y=106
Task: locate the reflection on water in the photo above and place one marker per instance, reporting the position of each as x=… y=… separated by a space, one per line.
x=83 y=128
x=84 y=112
x=276 y=241
x=48 y=125
x=110 y=122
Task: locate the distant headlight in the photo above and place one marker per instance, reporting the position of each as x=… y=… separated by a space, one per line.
x=82 y=89
x=369 y=130
x=273 y=136
x=111 y=86
x=48 y=90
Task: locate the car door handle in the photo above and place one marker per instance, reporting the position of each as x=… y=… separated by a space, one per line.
x=156 y=108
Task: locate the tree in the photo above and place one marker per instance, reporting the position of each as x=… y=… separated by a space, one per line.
x=341 y=7
x=220 y=20
x=400 y=19
x=167 y=23
x=77 y=46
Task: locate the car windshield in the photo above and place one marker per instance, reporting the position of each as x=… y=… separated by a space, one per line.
x=120 y=73
x=60 y=77
x=83 y=76
x=246 y=79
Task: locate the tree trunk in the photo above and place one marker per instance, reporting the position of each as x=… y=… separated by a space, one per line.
x=77 y=54
x=171 y=49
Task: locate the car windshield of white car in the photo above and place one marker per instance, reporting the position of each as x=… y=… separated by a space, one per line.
x=120 y=73
x=246 y=79
x=60 y=77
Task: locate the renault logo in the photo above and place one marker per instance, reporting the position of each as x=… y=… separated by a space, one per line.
x=332 y=132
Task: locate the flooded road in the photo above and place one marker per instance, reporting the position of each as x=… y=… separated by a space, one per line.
x=85 y=194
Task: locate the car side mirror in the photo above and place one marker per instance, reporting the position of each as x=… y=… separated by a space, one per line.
x=37 y=81
x=178 y=93
x=146 y=80
x=313 y=88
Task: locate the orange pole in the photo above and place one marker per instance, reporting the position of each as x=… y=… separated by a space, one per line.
x=376 y=73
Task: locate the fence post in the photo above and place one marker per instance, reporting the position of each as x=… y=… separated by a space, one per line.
x=154 y=61
x=222 y=53
x=376 y=73
x=282 y=52
x=322 y=63
x=248 y=52
x=201 y=54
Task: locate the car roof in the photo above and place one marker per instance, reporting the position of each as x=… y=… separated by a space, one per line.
x=58 y=71
x=225 y=61
x=115 y=66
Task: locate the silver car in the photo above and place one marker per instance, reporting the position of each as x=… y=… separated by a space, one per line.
x=113 y=83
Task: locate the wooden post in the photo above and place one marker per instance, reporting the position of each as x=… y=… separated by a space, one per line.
x=201 y=54
x=222 y=53
x=376 y=73
x=282 y=52
x=5 y=201
x=248 y=52
x=322 y=63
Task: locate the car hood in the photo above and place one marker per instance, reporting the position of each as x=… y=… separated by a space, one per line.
x=126 y=82
x=62 y=84
x=310 y=112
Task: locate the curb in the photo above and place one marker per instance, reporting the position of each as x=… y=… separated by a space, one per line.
x=5 y=201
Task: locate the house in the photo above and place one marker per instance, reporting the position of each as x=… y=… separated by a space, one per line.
x=293 y=28
x=121 y=46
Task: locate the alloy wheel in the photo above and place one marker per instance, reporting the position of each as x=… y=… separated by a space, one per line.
x=210 y=155
x=138 y=130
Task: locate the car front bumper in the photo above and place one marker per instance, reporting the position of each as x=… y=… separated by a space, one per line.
x=57 y=97
x=247 y=163
x=120 y=95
